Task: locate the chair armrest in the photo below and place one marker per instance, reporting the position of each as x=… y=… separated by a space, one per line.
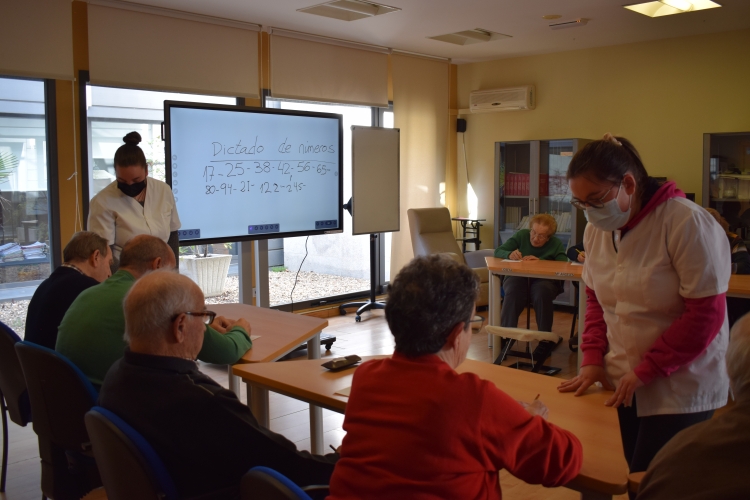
x=634 y=481
x=476 y=259
x=317 y=492
x=453 y=256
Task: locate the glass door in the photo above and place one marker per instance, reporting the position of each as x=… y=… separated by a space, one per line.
x=729 y=180
x=515 y=186
x=554 y=195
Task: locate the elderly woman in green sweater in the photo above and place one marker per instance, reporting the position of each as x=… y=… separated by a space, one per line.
x=537 y=243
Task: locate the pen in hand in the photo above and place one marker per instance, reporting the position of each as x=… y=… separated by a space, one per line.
x=334 y=449
x=537 y=397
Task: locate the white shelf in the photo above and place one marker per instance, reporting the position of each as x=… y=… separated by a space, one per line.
x=743 y=177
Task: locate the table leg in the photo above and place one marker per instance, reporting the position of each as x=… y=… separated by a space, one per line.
x=316 y=413
x=494 y=306
x=234 y=382
x=257 y=399
x=581 y=318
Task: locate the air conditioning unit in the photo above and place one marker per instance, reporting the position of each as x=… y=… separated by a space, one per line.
x=510 y=99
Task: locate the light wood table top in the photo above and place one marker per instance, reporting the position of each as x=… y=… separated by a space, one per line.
x=739 y=286
x=280 y=332
x=596 y=426
x=532 y=268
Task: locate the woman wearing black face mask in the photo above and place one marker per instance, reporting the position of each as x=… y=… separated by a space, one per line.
x=656 y=274
x=134 y=204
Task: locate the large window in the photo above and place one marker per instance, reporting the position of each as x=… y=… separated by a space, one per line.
x=24 y=207
x=334 y=264
x=113 y=112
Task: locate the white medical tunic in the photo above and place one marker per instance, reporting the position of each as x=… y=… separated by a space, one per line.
x=117 y=217
x=677 y=251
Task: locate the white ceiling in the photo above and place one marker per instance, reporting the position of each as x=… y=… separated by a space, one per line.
x=409 y=28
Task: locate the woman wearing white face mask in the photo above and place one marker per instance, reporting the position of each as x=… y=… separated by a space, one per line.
x=657 y=270
x=134 y=204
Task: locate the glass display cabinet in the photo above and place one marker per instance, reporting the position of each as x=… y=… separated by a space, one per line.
x=726 y=178
x=530 y=179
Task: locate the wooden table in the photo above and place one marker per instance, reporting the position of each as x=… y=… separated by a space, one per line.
x=549 y=269
x=604 y=472
x=280 y=333
x=739 y=286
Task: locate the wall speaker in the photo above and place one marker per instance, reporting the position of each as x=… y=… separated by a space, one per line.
x=460 y=125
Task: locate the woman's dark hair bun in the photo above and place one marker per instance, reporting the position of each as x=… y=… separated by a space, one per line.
x=132 y=138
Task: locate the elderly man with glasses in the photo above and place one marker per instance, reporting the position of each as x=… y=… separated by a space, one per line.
x=537 y=243
x=91 y=332
x=206 y=437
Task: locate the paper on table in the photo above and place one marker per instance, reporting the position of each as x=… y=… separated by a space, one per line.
x=253 y=337
x=576 y=264
x=509 y=260
x=344 y=392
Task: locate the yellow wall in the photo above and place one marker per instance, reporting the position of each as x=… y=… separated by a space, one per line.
x=662 y=95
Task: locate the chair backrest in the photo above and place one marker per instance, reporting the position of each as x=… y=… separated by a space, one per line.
x=12 y=381
x=128 y=465
x=265 y=483
x=431 y=232
x=60 y=395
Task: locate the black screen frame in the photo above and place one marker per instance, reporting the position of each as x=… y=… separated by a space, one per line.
x=168 y=105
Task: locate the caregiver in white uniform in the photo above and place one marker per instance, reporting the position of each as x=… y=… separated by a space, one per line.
x=134 y=203
x=657 y=270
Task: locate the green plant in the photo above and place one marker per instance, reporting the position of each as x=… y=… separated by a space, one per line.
x=278 y=269
x=8 y=165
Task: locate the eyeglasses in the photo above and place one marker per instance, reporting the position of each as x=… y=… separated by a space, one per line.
x=206 y=316
x=477 y=319
x=536 y=236
x=583 y=205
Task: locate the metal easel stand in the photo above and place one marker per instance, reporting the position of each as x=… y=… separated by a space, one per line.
x=372 y=303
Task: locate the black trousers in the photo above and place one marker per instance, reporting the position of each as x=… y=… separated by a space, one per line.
x=542 y=292
x=643 y=437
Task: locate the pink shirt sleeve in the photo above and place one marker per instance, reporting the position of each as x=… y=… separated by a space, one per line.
x=594 y=338
x=686 y=338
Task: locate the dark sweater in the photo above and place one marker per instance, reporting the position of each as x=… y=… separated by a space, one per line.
x=206 y=437
x=51 y=301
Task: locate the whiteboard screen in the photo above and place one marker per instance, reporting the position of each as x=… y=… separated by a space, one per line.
x=375 y=180
x=241 y=173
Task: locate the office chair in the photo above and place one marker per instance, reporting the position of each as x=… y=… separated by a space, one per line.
x=60 y=395
x=14 y=398
x=265 y=483
x=129 y=466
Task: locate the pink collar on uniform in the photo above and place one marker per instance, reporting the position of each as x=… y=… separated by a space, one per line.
x=667 y=191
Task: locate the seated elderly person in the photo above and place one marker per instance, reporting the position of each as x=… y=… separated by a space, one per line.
x=87 y=258
x=206 y=437
x=91 y=332
x=415 y=428
x=709 y=460
x=736 y=307
x=537 y=243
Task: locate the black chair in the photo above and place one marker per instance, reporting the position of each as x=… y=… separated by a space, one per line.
x=14 y=398
x=262 y=482
x=60 y=395
x=129 y=466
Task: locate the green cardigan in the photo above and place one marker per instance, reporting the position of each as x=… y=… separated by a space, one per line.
x=91 y=333
x=552 y=250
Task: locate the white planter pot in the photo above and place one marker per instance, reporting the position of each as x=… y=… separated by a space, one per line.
x=210 y=273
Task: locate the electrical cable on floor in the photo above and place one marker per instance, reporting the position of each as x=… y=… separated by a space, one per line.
x=296 y=276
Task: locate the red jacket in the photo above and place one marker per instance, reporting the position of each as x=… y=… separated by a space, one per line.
x=417 y=429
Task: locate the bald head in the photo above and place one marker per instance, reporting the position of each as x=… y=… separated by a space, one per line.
x=155 y=322
x=738 y=358
x=144 y=253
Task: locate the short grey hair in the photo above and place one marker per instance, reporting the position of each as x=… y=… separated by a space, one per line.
x=428 y=297
x=738 y=358
x=153 y=301
x=82 y=245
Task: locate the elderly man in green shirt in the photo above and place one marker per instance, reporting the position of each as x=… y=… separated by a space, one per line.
x=537 y=243
x=91 y=332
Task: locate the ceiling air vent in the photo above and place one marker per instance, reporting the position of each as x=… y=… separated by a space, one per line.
x=469 y=37
x=348 y=10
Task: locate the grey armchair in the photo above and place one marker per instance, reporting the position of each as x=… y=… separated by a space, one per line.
x=431 y=232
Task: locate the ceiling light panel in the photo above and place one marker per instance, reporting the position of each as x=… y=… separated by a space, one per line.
x=671 y=7
x=469 y=37
x=348 y=10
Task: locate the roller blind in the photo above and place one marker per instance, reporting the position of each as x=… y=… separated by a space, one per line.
x=319 y=71
x=420 y=110
x=37 y=39
x=154 y=50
